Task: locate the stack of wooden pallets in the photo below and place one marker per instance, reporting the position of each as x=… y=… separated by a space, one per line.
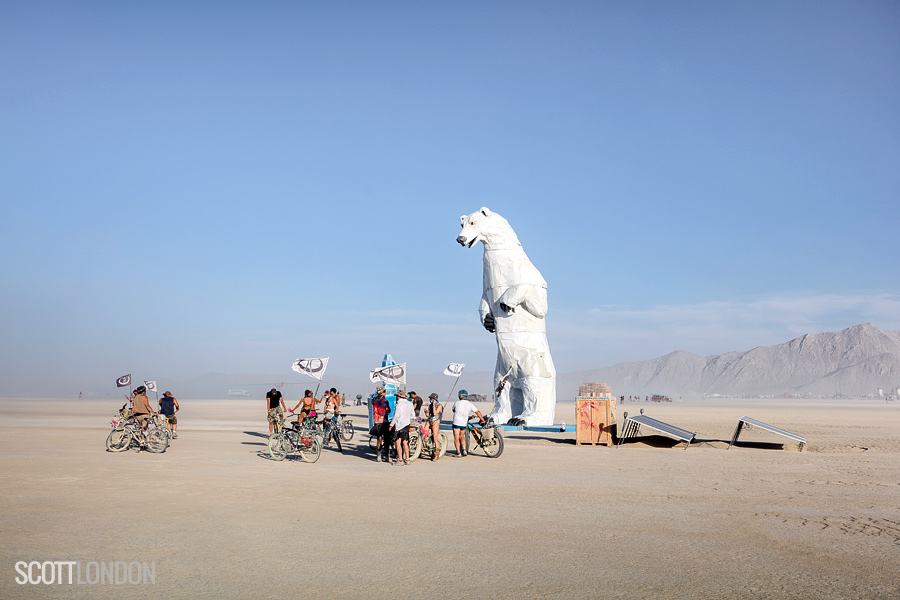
x=595 y=415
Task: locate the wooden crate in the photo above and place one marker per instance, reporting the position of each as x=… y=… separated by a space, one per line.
x=594 y=420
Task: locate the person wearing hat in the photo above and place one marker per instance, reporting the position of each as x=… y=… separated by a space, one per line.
x=274 y=408
x=434 y=412
x=142 y=409
x=403 y=412
x=168 y=406
x=381 y=430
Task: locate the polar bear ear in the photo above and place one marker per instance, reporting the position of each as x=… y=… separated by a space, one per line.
x=462 y=219
x=485 y=211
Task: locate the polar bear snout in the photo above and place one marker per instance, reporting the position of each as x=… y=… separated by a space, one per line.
x=464 y=241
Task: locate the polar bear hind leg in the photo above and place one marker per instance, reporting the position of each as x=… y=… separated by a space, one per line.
x=539 y=401
x=502 y=410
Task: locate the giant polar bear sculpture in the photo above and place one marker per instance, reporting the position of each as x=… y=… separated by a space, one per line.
x=513 y=306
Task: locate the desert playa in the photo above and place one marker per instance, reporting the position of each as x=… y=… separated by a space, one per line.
x=548 y=519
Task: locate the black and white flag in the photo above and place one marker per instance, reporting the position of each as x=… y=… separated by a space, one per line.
x=151 y=385
x=454 y=369
x=124 y=381
x=395 y=374
x=314 y=367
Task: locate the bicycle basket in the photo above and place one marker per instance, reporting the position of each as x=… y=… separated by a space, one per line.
x=487 y=434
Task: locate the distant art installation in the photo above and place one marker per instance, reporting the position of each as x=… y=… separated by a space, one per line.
x=513 y=306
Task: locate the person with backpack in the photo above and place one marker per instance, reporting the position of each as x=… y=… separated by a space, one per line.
x=168 y=406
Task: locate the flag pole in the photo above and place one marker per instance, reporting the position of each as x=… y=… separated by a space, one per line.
x=450 y=395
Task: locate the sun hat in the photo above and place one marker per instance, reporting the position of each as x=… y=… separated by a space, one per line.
x=400 y=394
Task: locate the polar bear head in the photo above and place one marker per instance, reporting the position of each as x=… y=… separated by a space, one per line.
x=486 y=227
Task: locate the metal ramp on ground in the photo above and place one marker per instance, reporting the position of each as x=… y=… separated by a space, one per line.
x=747 y=422
x=633 y=425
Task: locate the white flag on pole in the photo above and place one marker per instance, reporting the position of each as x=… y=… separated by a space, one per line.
x=151 y=385
x=395 y=374
x=314 y=367
x=454 y=369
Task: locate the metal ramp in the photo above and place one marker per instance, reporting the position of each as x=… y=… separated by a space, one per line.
x=747 y=422
x=633 y=425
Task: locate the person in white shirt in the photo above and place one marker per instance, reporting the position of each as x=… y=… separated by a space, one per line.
x=403 y=412
x=461 y=411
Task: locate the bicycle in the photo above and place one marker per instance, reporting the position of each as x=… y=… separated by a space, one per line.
x=487 y=437
x=127 y=432
x=421 y=439
x=303 y=439
x=347 y=430
x=332 y=431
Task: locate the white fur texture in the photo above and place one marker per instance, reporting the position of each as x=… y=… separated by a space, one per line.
x=515 y=296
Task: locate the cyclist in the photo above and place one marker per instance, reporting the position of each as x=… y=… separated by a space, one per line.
x=462 y=408
x=309 y=405
x=168 y=406
x=142 y=409
x=274 y=408
x=433 y=412
x=332 y=408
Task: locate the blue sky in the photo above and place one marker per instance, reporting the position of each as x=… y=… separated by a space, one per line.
x=193 y=187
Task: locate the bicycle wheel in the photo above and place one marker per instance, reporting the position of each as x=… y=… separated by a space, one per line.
x=347 y=431
x=311 y=452
x=373 y=442
x=415 y=444
x=157 y=440
x=279 y=446
x=444 y=441
x=495 y=448
x=118 y=440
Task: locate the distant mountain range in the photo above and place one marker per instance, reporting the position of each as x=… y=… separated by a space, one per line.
x=855 y=361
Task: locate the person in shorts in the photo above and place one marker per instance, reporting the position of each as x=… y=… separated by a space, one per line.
x=400 y=423
x=433 y=412
x=274 y=408
x=462 y=409
x=168 y=406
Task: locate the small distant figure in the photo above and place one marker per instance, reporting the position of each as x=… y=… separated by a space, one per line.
x=344 y=400
x=79 y=395
x=462 y=408
x=359 y=399
x=274 y=408
x=168 y=406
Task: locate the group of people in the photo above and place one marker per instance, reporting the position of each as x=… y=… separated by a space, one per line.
x=396 y=426
x=391 y=427
x=141 y=409
x=333 y=401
